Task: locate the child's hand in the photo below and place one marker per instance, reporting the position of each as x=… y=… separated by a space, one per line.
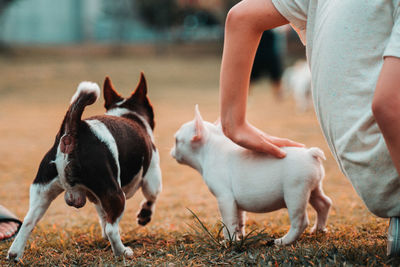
x=252 y=138
x=244 y=25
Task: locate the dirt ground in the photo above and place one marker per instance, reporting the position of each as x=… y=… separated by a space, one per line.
x=35 y=92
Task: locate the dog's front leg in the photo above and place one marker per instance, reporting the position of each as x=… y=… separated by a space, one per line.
x=40 y=197
x=241 y=217
x=229 y=212
x=151 y=187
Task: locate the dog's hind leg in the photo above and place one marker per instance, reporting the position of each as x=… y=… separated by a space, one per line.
x=40 y=197
x=151 y=187
x=102 y=220
x=296 y=205
x=322 y=204
x=113 y=205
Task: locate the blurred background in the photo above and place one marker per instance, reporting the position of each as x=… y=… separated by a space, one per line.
x=48 y=46
x=123 y=29
x=120 y=22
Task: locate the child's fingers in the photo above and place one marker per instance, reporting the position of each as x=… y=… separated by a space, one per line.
x=280 y=142
x=274 y=150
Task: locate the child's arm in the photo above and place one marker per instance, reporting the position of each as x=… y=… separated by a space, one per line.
x=386 y=106
x=244 y=25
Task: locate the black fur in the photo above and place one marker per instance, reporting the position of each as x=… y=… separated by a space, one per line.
x=90 y=162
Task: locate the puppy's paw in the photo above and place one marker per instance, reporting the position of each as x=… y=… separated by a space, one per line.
x=315 y=230
x=128 y=252
x=278 y=242
x=143 y=220
x=144 y=216
x=14 y=256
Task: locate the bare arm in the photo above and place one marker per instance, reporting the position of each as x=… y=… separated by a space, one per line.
x=386 y=106
x=244 y=26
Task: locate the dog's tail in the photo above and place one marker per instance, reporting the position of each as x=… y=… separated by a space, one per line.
x=317 y=153
x=86 y=94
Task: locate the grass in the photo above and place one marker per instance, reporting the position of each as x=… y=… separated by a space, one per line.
x=257 y=248
x=201 y=244
x=34 y=95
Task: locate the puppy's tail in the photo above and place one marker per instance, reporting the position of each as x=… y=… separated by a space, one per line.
x=86 y=94
x=317 y=153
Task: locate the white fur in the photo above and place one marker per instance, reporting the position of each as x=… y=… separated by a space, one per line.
x=122 y=111
x=61 y=161
x=100 y=130
x=152 y=184
x=297 y=79
x=112 y=233
x=242 y=180
x=40 y=197
x=118 y=112
x=102 y=219
x=88 y=87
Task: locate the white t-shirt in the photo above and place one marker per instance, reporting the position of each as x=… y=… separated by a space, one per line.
x=346 y=41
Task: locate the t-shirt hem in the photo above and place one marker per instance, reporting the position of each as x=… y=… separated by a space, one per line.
x=297 y=25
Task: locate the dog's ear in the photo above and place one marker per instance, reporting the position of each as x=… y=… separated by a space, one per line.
x=141 y=88
x=110 y=95
x=199 y=125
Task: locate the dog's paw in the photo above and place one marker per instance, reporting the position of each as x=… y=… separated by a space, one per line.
x=315 y=230
x=270 y=243
x=128 y=252
x=14 y=256
x=279 y=242
x=144 y=221
x=144 y=216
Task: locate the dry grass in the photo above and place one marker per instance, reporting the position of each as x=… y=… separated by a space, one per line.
x=34 y=94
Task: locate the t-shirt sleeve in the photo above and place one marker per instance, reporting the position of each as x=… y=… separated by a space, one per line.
x=393 y=46
x=295 y=11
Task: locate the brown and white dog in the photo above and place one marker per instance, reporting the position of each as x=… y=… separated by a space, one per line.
x=105 y=158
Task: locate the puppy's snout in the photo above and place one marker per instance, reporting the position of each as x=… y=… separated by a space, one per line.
x=172 y=152
x=176 y=155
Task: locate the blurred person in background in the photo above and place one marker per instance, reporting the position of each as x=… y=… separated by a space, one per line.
x=268 y=61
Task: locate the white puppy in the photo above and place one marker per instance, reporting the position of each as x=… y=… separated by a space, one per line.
x=297 y=78
x=243 y=180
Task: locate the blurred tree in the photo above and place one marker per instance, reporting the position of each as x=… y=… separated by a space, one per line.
x=173 y=20
x=121 y=11
x=4 y=4
x=179 y=20
x=159 y=15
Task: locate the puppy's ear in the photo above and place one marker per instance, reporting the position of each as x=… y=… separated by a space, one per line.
x=141 y=88
x=110 y=95
x=199 y=125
